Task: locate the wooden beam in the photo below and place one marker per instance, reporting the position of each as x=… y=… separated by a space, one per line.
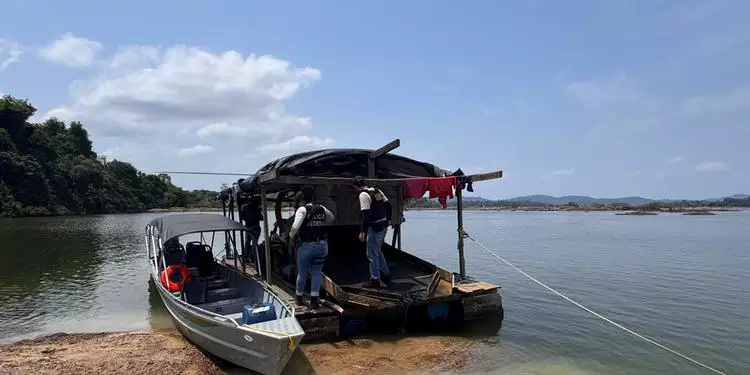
x=434 y=282
x=460 y=217
x=486 y=176
x=268 y=176
x=385 y=149
x=372 y=160
x=266 y=237
x=311 y=180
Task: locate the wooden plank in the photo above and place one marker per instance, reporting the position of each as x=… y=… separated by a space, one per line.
x=486 y=176
x=371 y=168
x=266 y=237
x=432 y=287
x=392 y=145
x=268 y=176
x=460 y=217
x=479 y=286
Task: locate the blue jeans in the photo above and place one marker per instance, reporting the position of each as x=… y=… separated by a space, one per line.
x=251 y=247
x=375 y=254
x=310 y=259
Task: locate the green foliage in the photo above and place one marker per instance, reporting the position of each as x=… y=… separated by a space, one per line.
x=51 y=169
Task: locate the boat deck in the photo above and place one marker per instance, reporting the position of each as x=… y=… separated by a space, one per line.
x=319 y=324
x=413 y=295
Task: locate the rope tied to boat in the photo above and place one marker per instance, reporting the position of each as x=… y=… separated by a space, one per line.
x=636 y=334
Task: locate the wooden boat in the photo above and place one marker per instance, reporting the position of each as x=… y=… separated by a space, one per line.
x=225 y=312
x=422 y=295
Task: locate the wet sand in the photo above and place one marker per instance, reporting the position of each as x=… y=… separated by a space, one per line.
x=166 y=351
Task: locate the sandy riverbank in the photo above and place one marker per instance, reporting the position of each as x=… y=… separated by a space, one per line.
x=166 y=351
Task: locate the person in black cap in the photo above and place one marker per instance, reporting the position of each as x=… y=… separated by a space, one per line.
x=309 y=221
x=375 y=211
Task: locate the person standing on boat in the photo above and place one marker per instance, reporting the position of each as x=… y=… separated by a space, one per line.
x=252 y=216
x=375 y=211
x=309 y=221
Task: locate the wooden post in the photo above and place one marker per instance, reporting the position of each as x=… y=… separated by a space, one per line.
x=400 y=201
x=460 y=214
x=266 y=236
x=371 y=168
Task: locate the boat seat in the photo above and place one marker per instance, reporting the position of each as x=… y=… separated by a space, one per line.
x=174 y=256
x=217 y=284
x=193 y=254
x=195 y=290
x=228 y=306
x=222 y=294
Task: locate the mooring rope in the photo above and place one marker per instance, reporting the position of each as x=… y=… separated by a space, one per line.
x=636 y=334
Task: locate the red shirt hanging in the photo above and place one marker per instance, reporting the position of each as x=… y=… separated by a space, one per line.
x=441 y=188
x=415 y=188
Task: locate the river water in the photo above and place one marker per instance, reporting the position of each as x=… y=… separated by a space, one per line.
x=682 y=280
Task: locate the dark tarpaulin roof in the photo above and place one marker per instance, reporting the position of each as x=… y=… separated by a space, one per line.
x=343 y=163
x=176 y=225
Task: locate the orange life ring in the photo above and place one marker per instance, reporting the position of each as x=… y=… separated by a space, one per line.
x=177 y=274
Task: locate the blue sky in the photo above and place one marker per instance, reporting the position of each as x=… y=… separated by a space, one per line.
x=596 y=98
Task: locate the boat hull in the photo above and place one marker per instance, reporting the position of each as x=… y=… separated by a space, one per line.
x=250 y=349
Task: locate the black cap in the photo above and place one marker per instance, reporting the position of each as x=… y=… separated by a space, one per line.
x=298 y=197
x=359 y=181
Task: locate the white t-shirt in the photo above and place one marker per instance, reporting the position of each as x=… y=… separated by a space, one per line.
x=365 y=201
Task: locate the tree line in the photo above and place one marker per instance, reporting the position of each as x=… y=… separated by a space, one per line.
x=50 y=168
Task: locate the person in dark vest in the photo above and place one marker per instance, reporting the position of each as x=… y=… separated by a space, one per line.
x=309 y=223
x=375 y=211
x=251 y=214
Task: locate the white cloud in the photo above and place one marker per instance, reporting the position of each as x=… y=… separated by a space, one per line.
x=72 y=51
x=712 y=166
x=221 y=128
x=730 y=101
x=595 y=94
x=676 y=159
x=183 y=87
x=195 y=150
x=149 y=104
x=10 y=52
x=298 y=144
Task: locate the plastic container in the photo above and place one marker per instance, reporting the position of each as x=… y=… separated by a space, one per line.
x=258 y=313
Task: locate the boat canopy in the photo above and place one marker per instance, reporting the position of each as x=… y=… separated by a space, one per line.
x=342 y=163
x=176 y=225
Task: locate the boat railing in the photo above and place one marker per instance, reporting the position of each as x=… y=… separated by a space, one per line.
x=155 y=266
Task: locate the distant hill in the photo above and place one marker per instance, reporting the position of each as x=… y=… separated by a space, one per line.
x=583 y=200
x=473 y=199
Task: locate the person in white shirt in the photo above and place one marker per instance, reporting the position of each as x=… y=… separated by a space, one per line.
x=376 y=214
x=309 y=223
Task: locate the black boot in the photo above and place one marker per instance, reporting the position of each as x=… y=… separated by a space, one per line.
x=314 y=303
x=373 y=283
x=386 y=279
x=298 y=300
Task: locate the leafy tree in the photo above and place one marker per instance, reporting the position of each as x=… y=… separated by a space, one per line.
x=51 y=168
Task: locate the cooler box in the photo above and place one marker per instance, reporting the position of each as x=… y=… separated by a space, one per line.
x=258 y=313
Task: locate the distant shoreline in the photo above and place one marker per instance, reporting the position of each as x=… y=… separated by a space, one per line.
x=184 y=209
